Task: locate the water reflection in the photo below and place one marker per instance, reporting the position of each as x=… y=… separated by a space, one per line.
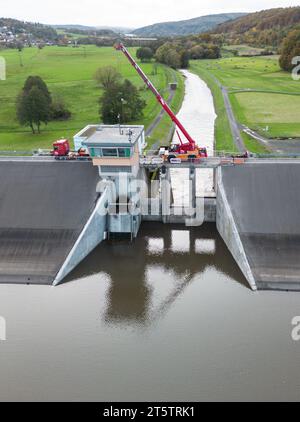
x=147 y=276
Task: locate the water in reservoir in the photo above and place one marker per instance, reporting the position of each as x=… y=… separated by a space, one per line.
x=168 y=317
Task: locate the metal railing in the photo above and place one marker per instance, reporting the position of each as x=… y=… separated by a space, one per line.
x=16 y=153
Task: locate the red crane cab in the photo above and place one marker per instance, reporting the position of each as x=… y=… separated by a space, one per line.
x=61 y=148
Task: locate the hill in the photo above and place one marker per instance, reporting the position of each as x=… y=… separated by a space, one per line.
x=265 y=28
x=76 y=27
x=13 y=29
x=117 y=29
x=186 y=27
x=84 y=28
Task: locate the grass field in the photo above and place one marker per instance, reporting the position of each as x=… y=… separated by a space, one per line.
x=261 y=94
x=243 y=49
x=259 y=107
x=69 y=72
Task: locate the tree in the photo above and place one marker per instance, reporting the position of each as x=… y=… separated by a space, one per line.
x=145 y=54
x=163 y=53
x=34 y=103
x=168 y=55
x=173 y=59
x=174 y=54
x=33 y=108
x=185 y=60
x=205 y=51
x=37 y=81
x=290 y=49
x=121 y=103
x=107 y=76
x=133 y=105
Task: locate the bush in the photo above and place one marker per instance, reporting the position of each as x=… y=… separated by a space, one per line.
x=58 y=110
x=107 y=76
x=145 y=54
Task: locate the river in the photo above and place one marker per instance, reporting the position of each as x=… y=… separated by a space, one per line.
x=169 y=317
x=197 y=114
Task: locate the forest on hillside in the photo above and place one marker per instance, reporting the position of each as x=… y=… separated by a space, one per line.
x=265 y=28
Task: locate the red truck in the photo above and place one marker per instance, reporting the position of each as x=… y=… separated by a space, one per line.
x=61 y=151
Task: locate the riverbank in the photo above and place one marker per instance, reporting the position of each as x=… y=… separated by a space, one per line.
x=262 y=97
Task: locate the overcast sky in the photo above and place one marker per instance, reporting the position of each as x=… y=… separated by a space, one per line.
x=127 y=13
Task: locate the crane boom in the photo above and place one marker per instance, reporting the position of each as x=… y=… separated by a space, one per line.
x=191 y=143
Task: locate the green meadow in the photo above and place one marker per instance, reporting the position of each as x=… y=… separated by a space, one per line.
x=69 y=72
x=263 y=97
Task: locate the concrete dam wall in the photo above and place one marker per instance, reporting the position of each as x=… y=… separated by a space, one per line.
x=263 y=227
x=53 y=214
x=44 y=207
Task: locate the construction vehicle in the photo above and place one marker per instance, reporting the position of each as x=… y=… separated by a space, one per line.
x=61 y=148
x=187 y=149
x=62 y=151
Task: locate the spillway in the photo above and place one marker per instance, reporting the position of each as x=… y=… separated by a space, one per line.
x=44 y=207
x=258 y=209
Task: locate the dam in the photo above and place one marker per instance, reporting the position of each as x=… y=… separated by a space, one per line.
x=53 y=214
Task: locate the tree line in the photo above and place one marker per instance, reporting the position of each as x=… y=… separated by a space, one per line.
x=177 y=53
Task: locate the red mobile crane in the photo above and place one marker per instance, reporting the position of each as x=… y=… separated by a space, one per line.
x=185 y=150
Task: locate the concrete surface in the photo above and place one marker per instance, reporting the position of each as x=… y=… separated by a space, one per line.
x=264 y=199
x=91 y=236
x=229 y=231
x=44 y=206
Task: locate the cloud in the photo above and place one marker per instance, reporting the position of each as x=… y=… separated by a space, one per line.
x=128 y=13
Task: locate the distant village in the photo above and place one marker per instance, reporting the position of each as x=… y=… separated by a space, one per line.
x=21 y=38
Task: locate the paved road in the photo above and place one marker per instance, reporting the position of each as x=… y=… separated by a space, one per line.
x=289 y=146
x=235 y=129
x=234 y=125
